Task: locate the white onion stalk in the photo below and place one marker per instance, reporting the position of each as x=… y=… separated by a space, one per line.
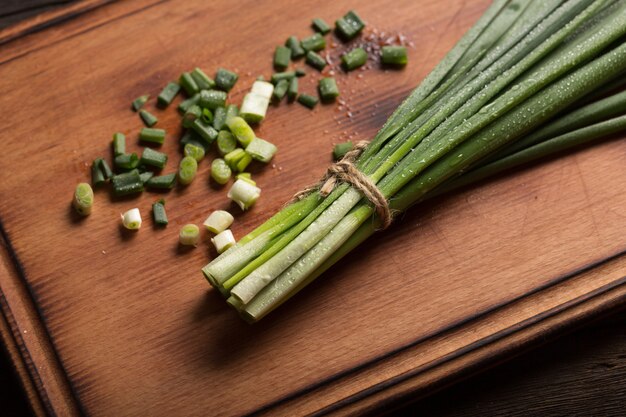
x=218 y=221
x=223 y=241
x=132 y=219
x=244 y=194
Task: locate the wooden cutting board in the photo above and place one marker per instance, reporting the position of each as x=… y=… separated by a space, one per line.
x=107 y=323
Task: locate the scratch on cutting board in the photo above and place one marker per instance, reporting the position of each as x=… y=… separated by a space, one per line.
x=587 y=199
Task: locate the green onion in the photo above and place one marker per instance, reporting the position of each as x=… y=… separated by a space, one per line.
x=220 y=171
x=255 y=103
x=328 y=89
x=300 y=72
x=354 y=59
x=203 y=81
x=207 y=116
x=244 y=194
x=261 y=150
x=127 y=183
x=241 y=130
x=140 y=101
x=294 y=46
x=219 y=118
x=194 y=151
x=225 y=80
x=393 y=55
x=319 y=25
x=349 y=26
x=132 y=219
x=238 y=159
x=204 y=130
x=218 y=221
x=158 y=213
x=97 y=176
x=192 y=137
x=189 y=235
x=153 y=158
x=280 y=90
x=152 y=135
x=315 y=42
x=226 y=142
x=223 y=241
x=188 y=84
x=286 y=75
x=119 y=144
x=315 y=60
x=106 y=170
x=83 y=199
x=245 y=176
x=231 y=111
x=341 y=149
x=145 y=176
x=212 y=99
x=292 y=91
x=191 y=115
x=126 y=161
x=148 y=118
x=186 y=104
x=187 y=170
x=167 y=95
x=282 y=56
x=307 y=100
x=162 y=182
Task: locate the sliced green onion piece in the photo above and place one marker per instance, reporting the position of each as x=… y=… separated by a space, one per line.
x=244 y=194
x=254 y=107
x=212 y=99
x=261 y=150
x=148 y=134
x=219 y=118
x=203 y=81
x=225 y=80
x=226 y=142
x=127 y=161
x=308 y=100
x=282 y=56
x=354 y=59
x=191 y=115
x=97 y=176
x=232 y=110
x=245 y=176
x=105 y=169
x=277 y=76
x=207 y=116
x=158 y=213
x=189 y=235
x=263 y=88
x=127 y=183
x=280 y=90
x=218 y=221
x=315 y=60
x=341 y=149
x=292 y=91
x=153 y=158
x=187 y=170
x=186 y=104
x=145 y=176
x=393 y=55
x=83 y=199
x=189 y=85
x=328 y=89
x=241 y=129
x=167 y=95
x=243 y=162
x=132 y=219
x=162 y=182
x=300 y=72
x=349 y=26
x=233 y=157
x=194 y=151
x=148 y=118
x=140 y=101
x=319 y=25
x=192 y=137
x=119 y=143
x=294 y=46
x=204 y=130
x=223 y=241
x=220 y=171
x=315 y=42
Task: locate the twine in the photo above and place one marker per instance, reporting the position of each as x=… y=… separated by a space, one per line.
x=345 y=171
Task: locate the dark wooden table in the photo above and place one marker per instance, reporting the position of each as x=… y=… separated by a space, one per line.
x=583 y=373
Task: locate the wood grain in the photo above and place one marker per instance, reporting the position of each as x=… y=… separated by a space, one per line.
x=129 y=316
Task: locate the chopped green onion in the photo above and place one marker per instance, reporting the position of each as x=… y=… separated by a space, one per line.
x=241 y=129
x=219 y=118
x=189 y=235
x=341 y=149
x=262 y=88
x=354 y=59
x=243 y=162
x=315 y=42
x=218 y=221
x=126 y=161
x=292 y=91
x=232 y=110
x=319 y=25
x=153 y=158
x=294 y=46
x=97 y=176
x=393 y=55
x=148 y=118
x=225 y=80
x=244 y=194
x=223 y=241
x=127 y=183
x=207 y=116
x=286 y=75
x=106 y=170
x=349 y=26
x=145 y=176
x=300 y=72
x=254 y=107
x=245 y=176
x=186 y=104
x=328 y=89
x=204 y=130
x=158 y=213
x=188 y=84
x=282 y=56
x=187 y=170
x=226 y=142
x=315 y=60
x=162 y=182
x=195 y=151
x=148 y=134
x=132 y=219
x=280 y=90
x=308 y=100
x=261 y=150
x=212 y=99
x=232 y=158
x=83 y=199
x=140 y=101
x=220 y=171
x=192 y=137
x=119 y=143
x=191 y=115
x=167 y=95
x=203 y=81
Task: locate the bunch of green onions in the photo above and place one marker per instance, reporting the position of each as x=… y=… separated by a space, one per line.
x=525 y=81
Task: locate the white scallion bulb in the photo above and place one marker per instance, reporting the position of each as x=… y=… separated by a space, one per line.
x=132 y=219
x=223 y=241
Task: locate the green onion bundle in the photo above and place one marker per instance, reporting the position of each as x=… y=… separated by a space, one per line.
x=509 y=92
